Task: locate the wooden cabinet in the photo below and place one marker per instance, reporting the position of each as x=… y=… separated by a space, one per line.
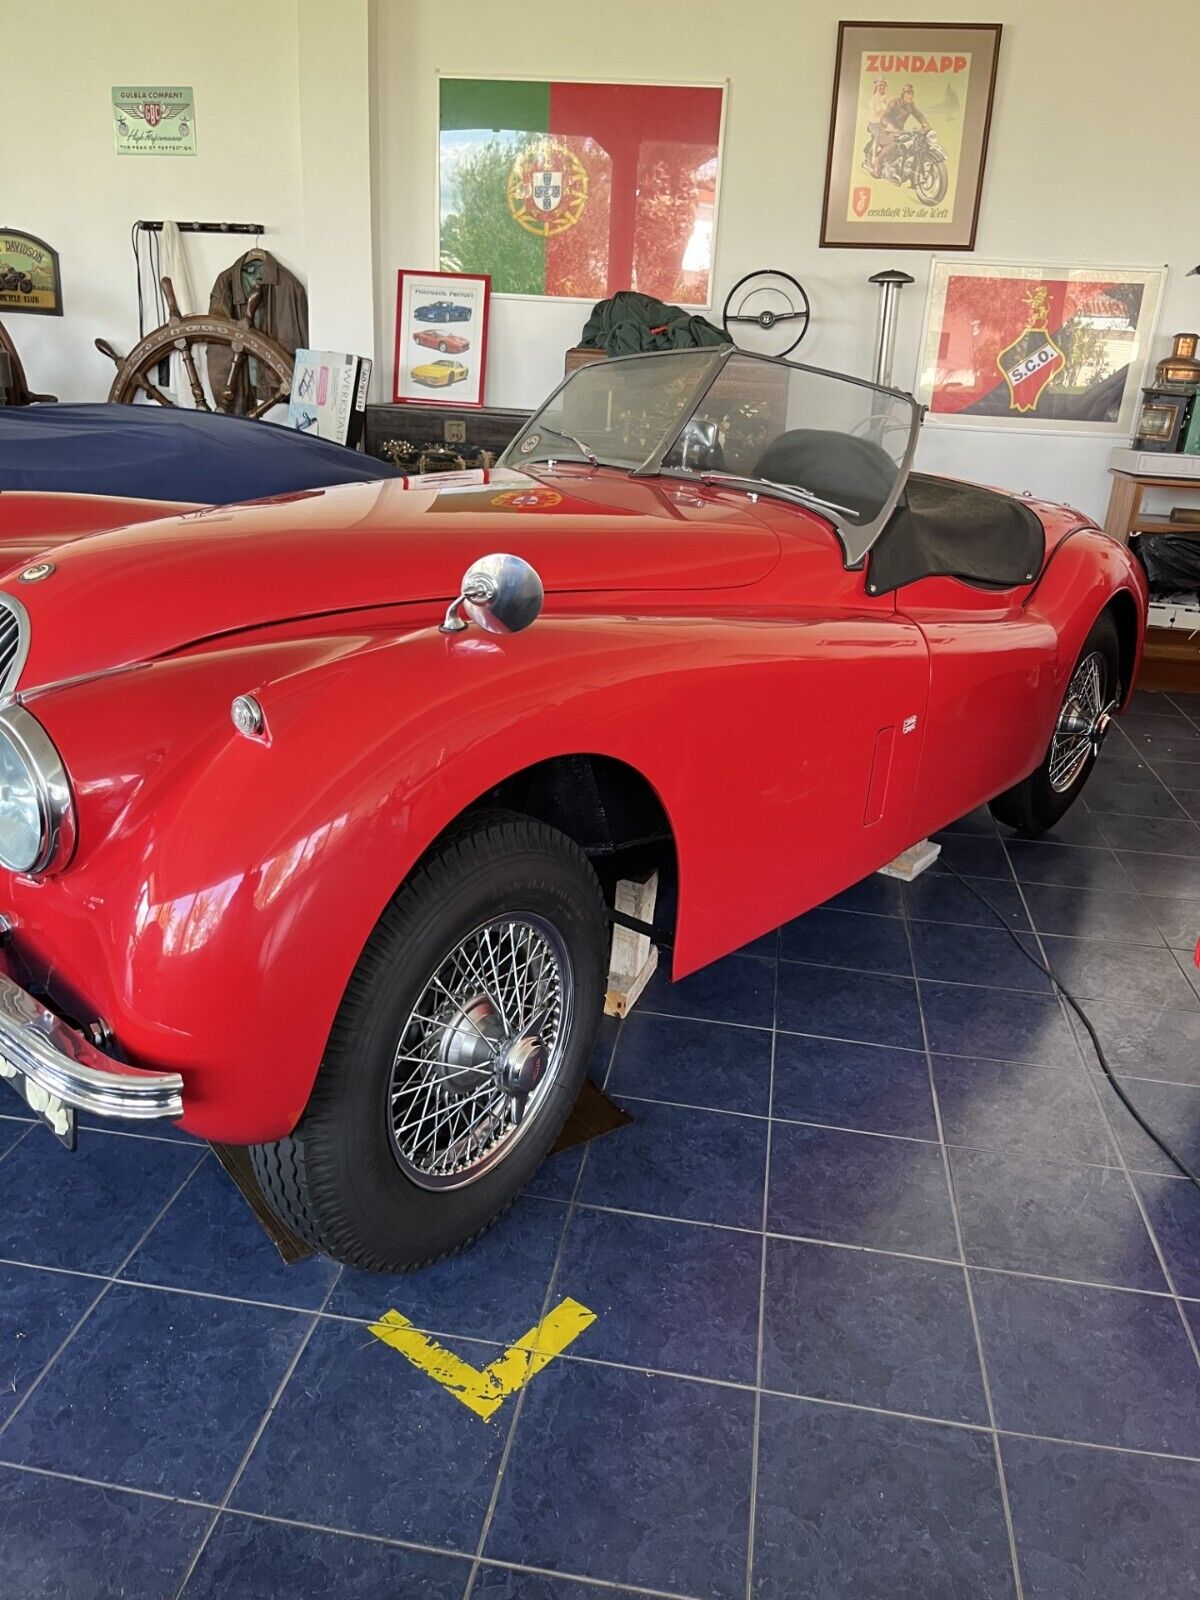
x=1172 y=659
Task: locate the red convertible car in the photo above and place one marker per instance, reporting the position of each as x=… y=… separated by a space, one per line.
x=311 y=846
x=448 y=343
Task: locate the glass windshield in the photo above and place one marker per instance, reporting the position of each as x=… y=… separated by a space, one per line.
x=620 y=412
x=835 y=444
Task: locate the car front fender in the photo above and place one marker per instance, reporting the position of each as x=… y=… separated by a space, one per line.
x=224 y=886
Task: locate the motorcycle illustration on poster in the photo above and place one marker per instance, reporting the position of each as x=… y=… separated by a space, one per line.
x=1061 y=349
x=29 y=275
x=908 y=134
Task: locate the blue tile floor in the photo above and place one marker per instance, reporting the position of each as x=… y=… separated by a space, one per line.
x=891 y=1296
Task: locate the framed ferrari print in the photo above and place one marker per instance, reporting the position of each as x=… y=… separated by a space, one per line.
x=908 y=134
x=1059 y=349
x=441 y=337
x=574 y=190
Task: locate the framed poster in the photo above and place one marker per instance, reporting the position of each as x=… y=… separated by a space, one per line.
x=441 y=337
x=1034 y=347
x=908 y=134
x=29 y=274
x=575 y=190
x=154 y=122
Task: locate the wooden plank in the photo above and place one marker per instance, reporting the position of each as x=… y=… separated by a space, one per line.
x=910 y=863
x=634 y=959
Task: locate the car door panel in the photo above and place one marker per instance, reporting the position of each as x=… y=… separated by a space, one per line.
x=991 y=691
x=805 y=772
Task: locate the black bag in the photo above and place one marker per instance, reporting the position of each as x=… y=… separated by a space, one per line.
x=1171 y=560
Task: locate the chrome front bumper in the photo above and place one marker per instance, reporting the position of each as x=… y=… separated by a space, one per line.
x=40 y=1053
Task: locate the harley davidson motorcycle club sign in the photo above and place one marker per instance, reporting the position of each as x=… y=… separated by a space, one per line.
x=29 y=275
x=908 y=134
x=154 y=122
x=1056 y=348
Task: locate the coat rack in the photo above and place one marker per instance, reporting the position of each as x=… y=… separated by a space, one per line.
x=205 y=227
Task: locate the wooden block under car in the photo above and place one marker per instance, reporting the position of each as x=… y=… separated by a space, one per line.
x=634 y=958
x=910 y=863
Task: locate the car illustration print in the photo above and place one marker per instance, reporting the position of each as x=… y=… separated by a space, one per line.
x=437 y=374
x=442 y=311
x=313 y=810
x=448 y=343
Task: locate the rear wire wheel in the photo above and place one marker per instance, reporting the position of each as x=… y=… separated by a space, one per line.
x=1033 y=806
x=458 y=1051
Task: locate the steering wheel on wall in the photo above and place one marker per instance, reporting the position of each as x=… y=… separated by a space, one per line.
x=767 y=308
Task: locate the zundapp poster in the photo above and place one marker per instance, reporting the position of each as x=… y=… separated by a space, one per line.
x=908 y=134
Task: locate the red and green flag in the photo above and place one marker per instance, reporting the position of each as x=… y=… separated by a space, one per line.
x=580 y=189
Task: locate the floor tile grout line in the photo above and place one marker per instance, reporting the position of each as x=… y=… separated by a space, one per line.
x=1050 y=1160
x=354 y=1534
x=912 y=1050
x=263 y=1422
x=977 y=1332
x=1044 y=993
x=464 y=1556
x=100 y=1483
x=20 y=1139
x=651 y=1216
x=43 y=1371
x=756 y=1421
x=1185 y=714
x=1178 y=957
x=435 y=1330
x=519 y=1404
x=824 y=1401
x=1094 y=1087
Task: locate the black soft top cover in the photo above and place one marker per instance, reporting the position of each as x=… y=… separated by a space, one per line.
x=957 y=530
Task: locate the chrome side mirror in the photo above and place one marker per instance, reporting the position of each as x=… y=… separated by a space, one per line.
x=500 y=593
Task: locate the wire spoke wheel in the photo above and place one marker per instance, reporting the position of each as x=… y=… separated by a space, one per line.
x=480 y=1051
x=1082 y=722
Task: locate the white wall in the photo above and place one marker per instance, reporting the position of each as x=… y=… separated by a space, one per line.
x=1086 y=166
x=335 y=172
x=282 y=136
x=69 y=185
x=320 y=120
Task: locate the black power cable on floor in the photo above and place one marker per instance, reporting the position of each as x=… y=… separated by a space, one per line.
x=1075 y=1006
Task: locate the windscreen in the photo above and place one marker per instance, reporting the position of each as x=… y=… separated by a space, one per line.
x=622 y=412
x=843 y=444
x=836 y=444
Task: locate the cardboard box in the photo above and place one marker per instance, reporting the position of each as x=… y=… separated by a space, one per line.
x=329 y=395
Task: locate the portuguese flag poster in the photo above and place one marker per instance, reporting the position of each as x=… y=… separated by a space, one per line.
x=580 y=189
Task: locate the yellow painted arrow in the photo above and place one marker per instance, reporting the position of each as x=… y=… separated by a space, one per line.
x=485 y=1390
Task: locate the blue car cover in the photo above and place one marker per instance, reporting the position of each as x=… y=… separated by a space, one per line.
x=156 y=453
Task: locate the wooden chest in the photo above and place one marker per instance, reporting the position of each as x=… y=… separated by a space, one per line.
x=578 y=356
x=419 y=438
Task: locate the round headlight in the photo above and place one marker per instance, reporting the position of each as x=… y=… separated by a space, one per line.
x=37 y=814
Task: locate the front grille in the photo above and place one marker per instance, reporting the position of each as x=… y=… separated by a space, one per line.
x=14 y=643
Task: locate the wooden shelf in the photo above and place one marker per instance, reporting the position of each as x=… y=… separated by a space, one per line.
x=1150 y=480
x=1172 y=655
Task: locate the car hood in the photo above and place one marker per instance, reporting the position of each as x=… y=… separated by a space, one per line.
x=138 y=592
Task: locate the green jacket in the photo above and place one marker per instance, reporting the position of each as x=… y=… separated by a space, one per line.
x=630 y=322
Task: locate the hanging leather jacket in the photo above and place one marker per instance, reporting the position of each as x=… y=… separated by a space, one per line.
x=282 y=314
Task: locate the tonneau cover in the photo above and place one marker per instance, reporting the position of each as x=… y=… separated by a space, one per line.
x=945 y=528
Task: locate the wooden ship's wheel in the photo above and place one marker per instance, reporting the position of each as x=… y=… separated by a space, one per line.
x=188 y=335
x=14 y=389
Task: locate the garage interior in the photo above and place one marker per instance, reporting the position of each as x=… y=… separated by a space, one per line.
x=853 y=1274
